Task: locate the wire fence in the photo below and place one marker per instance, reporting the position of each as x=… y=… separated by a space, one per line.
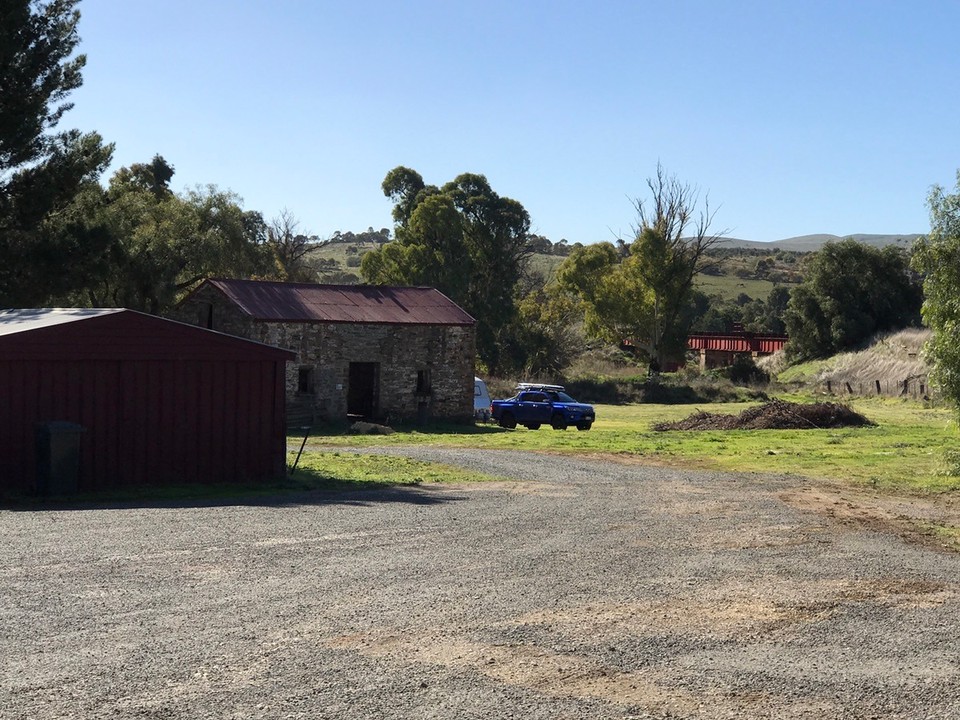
x=915 y=386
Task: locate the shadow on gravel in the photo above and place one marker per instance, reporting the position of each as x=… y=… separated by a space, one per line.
x=334 y=493
x=438 y=428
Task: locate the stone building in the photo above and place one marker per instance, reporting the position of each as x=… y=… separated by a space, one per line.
x=390 y=354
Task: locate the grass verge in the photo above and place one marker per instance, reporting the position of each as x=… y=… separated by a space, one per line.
x=905 y=452
x=334 y=470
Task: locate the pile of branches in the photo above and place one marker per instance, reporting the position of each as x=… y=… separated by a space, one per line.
x=774 y=415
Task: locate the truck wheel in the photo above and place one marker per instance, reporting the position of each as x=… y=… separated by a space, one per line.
x=558 y=422
x=508 y=421
x=584 y=426
x=533 y=426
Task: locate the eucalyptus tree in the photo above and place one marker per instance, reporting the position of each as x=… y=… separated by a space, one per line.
x=641 y=291
x=465 y=240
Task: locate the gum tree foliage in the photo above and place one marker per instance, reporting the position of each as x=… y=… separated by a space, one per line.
x=850 y=292
x=642 y=291
x=937 y=256
x=717 y=314
x=545 y=338
x=616 y=304
x=465 y=240
x=44 y=249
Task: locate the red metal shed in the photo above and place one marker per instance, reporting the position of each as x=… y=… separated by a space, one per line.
x=159 y=401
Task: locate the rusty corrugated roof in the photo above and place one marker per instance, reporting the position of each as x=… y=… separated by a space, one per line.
x=306 y=302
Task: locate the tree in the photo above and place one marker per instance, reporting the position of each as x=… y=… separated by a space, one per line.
x=617 y=305
x=290 y=249
x=41 y=171
x=672 y=240
x=465 y=240
x=645 y=296
x=775 y=311
x=546 y=338
x=157 y=245
x=937 y=256
x=850 y=292
x=154 y=176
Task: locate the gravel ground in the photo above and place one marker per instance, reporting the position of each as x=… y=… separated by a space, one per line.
x=583 y=589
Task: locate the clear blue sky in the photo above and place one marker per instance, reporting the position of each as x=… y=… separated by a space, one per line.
x=795 y=117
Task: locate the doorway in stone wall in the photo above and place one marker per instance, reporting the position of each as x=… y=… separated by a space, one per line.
x=363 y=390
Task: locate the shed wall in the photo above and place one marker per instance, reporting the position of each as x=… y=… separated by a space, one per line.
x=160 y=402
x=147 y=422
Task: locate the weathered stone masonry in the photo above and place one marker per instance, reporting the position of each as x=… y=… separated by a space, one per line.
x=424 y=371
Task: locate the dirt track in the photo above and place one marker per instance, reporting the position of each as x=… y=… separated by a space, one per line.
x=585 y=589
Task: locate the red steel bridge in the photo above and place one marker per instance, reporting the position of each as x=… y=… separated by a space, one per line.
x=718 y=349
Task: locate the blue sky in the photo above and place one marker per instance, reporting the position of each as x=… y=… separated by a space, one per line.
x=793 y=117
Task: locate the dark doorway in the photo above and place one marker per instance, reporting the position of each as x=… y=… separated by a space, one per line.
x=363 y=390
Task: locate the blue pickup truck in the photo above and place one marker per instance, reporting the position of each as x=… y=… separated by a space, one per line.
x=535 y=405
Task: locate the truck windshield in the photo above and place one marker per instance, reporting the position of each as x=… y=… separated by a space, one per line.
x=562 y=397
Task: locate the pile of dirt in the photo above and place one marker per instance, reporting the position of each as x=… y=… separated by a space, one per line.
x=774 y=415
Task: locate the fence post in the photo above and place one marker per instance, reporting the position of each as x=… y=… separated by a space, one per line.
x=879 y=391
x=849 y=389
x=829 y=388
x=906 y=385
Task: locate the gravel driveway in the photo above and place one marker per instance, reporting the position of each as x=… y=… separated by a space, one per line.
x=584 y=589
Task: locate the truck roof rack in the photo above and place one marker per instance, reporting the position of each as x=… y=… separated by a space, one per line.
x=539 y=386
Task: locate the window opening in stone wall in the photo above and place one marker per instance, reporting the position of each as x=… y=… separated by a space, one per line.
x=423 y=382
x=305 y=380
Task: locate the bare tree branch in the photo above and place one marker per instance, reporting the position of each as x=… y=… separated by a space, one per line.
x=672 y=238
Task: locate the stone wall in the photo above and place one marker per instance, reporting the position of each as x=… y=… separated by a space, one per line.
x=440 y=358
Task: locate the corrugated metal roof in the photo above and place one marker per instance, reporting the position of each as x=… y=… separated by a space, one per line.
x=304 y=302
x=15 y=321
x=118 y=333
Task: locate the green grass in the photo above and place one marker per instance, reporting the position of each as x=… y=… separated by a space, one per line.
x=334 y=470
x=803 y=372
x=905 y=452
x=913 y=449
x=731 y=286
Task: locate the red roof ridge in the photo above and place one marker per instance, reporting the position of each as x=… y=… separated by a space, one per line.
x=278 y=301
x=338 y=286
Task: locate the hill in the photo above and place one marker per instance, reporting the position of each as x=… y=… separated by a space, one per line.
x=745 y=267
x=811 y=243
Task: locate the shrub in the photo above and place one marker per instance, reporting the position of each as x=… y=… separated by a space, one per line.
x=744 y=371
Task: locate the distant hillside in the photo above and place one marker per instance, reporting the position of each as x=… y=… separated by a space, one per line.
x=810 y=243
x=744 y=267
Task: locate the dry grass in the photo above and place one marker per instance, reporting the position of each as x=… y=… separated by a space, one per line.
x=889 y=359
x=605 y=362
